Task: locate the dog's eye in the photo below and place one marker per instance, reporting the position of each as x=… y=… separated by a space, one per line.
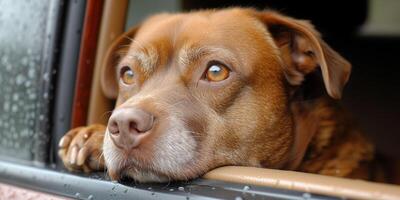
x=216 y=72
x=127 y=75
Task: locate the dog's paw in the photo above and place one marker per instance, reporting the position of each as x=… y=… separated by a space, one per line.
x=81 y=148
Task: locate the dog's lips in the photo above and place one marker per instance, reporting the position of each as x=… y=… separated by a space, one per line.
x=127 y=165
x=140 y=173
x=169 y=151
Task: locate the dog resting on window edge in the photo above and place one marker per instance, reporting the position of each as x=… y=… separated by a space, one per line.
x=205 y=89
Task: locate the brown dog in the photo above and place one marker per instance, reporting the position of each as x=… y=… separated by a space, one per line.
x=205 y=89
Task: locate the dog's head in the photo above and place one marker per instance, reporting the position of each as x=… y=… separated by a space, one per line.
x=205 y=89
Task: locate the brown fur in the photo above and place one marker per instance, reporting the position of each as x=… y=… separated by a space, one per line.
x=253 y=118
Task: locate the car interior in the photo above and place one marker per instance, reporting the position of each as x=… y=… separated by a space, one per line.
x=50 y=57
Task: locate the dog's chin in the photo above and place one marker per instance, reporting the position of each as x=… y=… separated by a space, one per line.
x=144 y=176
x=153 y=176
x=171 y=157
x=147 y=175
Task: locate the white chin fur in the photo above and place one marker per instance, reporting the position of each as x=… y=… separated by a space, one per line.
x=174 y=153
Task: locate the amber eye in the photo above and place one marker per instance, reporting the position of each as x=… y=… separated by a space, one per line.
x=127 y=75
x=216 y=72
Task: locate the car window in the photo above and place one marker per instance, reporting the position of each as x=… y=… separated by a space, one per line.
x=26 y=49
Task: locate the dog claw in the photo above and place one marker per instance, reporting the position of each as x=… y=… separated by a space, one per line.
x=80 y=148
x=82 y=155
x=64 y=142
x=73 y=155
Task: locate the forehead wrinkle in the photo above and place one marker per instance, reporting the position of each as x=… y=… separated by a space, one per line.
x=190 y=54
x=146 y=56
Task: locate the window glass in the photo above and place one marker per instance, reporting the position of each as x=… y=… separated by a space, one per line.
x=27 y=29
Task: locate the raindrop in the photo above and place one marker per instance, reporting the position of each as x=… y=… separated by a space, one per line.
x=4 y=60
x=246 y=188
x=90 y=197
x=77 y=194
x=306 y=195
x=32 y=96
x=46 y=76
x=171 y=190
x=15 y=97
x=20 y=79
x=6 y=106
x=53 y=166
x=149 y=188
x=8 y=67
x=213 y=188
x=24 y=61
x=14 y=108
x=181 y=188
x=31 y=73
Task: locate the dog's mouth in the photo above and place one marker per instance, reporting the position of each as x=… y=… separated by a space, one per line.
x=146 y=173
x=132 y=171
x=172 y=155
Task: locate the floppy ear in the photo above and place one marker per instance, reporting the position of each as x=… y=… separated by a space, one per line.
x=109 y=75
x=303 y=51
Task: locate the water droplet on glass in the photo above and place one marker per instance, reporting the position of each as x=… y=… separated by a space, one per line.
x=20 y=79
x=46 y=76
x=171 y=190
x=306 y=195
x=9 y=67
x=31 y=72
x=181 y=188
x=246 y=187
x=90 y=197
x=6 y=106
x=24 y=61
x=15 y=97
x=77 y=194
x=149 y=188
x=14 y=108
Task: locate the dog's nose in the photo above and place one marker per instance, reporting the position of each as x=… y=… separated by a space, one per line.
x=129 y=126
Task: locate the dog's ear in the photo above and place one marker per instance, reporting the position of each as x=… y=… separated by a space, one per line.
x=109 y=75
x=303 y=51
